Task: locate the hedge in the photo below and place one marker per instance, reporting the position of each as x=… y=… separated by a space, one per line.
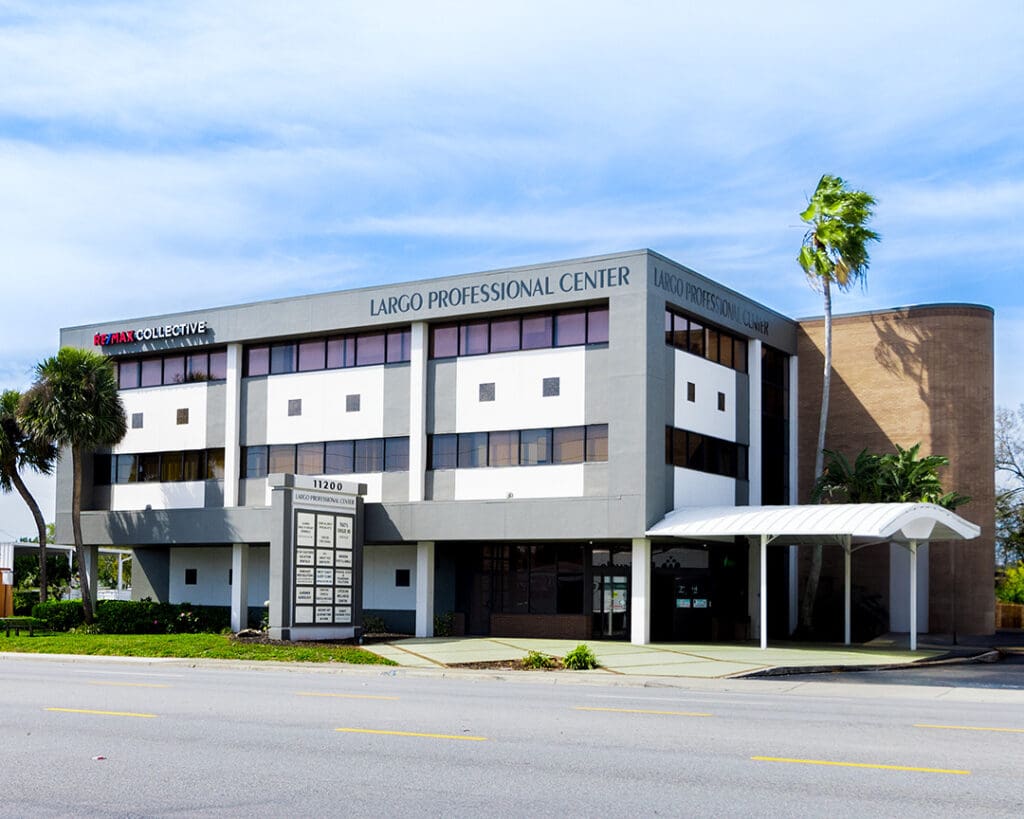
x=139 y=617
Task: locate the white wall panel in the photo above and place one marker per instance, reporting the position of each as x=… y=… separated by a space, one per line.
x=183 y=495
x=212 y=565
x=323 y=415
x=379 y=589
x=703 y=415
x=160 y=430
x=692 y=488
x=518 y=380
x=556 y=481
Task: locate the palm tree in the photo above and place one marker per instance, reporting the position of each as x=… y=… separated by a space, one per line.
x=74 y=402
x=834 y=253
x=19 y=450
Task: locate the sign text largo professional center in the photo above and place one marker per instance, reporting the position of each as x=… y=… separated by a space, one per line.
x=509 y=439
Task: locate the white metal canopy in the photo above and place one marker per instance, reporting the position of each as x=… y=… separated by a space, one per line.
x=849 y=525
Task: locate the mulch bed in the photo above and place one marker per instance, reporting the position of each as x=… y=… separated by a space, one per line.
x=507 y=665
x=252 y=635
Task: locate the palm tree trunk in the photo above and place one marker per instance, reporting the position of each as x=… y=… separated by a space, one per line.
x=76 y=528
x=30 y=502
x=814 y=572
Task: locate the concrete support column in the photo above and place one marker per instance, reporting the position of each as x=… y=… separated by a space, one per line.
x=239 y=586
x=418 y=411
x=847 y=587
x=913 y=595
x=754 y=586
x=232 y=425
x=794 y=494
x=640 y=593
x=755 y=450
x=425 y=589
x=763 y=617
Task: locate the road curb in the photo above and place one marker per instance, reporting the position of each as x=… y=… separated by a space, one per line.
x=989 y=655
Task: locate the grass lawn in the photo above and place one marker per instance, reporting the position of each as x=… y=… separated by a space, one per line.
x=216 y=646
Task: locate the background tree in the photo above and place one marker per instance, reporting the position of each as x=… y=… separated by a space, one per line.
x=900 y=477
x=1010 y=486
x=20 y=451
x=834 y=254
x=74 y=402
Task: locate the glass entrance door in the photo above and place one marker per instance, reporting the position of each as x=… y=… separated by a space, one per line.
x=611 y=605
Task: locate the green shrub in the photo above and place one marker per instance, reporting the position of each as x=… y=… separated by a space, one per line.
x=60 y=615
x=24 y=600
x=444 y=624
x=373 y=624
x=537 y=660
x=580 y=658
x=1011 y=589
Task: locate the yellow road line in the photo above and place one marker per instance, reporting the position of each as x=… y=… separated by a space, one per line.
x=130 y=684
x=644 y=711
x=409 y=734
x=343 y=696
x=104 y=713
x=858 y=765
x=971 y=728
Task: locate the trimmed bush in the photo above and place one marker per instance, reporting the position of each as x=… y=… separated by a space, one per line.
x=580 y=658
x=1011 y=589
x=537 y=660
x=59 y=615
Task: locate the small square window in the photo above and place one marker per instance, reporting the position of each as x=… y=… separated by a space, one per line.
x=182 y=416
x=191 y=577
x=295 y=406
x=402 y=578
x=552 y=387
x=691 y=391
x=352 y=403
x=487 y=391
x=136 y=420
x=721 y=401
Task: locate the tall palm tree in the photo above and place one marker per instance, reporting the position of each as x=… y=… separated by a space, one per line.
x=18 y=451
x=834 y=254
x=74 y=402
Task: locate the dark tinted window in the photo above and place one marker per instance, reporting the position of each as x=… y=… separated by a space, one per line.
x=282 y=358
x=128 y=374
x=311 y=357
x=597 y=442
x=570 y=328
x=309 y=459
x=198 y=367
x=149 y=466
x=473 y=338
x=537 y=331
x=535 y=446
x=443 y=451
x=568 y=445
x=152 y=372
x=257 y=361
x=218 y=366
x=444 y=341
x=504 y=335
x=503 y=448
x=399 y=345
x=174 y=369
x=396 y=454
x=256 y=462
x=341 y=352
x=472 y=449
x=597 y=325
x=369 y=455
x=281 y=458
x=339 y=458
x=370 y=349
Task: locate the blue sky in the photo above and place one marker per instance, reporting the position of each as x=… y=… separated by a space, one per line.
x=160 y=157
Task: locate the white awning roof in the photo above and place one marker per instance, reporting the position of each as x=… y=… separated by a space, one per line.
x=862 y=522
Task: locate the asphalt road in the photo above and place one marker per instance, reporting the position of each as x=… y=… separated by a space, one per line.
x=122 y=738
x=1008 y=673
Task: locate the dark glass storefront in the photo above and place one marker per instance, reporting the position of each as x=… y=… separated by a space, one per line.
x=582 y=590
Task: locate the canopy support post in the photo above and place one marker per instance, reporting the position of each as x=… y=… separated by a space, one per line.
x=913 y=595
x=847 y=555
x=765 y=540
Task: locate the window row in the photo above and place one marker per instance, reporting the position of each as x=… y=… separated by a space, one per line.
x=526 y=447
x=353 y=350
x=691 y=450
x=163 y=467
x=693 y=336
x=328 y=457
x=175 y=368
x=532 y=331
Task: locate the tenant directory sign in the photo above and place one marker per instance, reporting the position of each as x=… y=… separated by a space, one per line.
x=323 y=568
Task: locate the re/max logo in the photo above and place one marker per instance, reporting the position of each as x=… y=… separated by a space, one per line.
x=189 y=328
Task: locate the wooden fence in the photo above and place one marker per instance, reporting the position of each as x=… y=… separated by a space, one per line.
x=1009 y=615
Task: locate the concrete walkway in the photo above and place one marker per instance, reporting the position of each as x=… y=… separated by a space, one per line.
x=659 y=660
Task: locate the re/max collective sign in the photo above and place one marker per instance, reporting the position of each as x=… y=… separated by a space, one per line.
x=189 y=328
x=500 y=291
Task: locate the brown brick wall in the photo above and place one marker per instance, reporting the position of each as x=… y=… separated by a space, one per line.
x=902 y=376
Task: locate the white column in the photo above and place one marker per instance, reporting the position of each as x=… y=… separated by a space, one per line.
x=754 y=421
x=847 y=594
x=913 y=595
x=425 y=589
x=239 y=586
x=794 y=580
x=794 y=494
x=418 y=411
x=640 y=593
x=232 y=425
x=764 y=591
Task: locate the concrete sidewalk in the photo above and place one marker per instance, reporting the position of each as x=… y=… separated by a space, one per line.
x=660 y=660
